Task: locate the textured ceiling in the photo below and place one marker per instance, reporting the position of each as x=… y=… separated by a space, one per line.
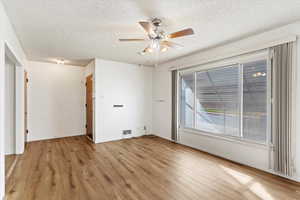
x=80 y=30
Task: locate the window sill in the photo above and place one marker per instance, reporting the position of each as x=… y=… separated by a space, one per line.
x=225 y=137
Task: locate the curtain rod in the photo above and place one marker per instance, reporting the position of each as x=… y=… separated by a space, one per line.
x=290 y=38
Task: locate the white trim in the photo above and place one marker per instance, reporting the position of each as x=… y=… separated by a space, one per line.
x=269 y=109
x=226 y=138
x=262 y=54
x=178 y=99
x=19 y=99
x=293 y=178
x=164 y=137
x=290 y=38
x=195 y=100
x=56 y=137
x=216 y=155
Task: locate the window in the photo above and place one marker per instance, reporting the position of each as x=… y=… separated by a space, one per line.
x=217 y=101
x=229 y=100
x=255 y=100
x=187 y=100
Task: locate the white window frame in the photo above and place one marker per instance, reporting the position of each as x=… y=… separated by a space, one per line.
x=259 y=55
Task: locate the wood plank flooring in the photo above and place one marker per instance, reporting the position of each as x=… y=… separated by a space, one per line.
x=10 y=162
x=145 y=168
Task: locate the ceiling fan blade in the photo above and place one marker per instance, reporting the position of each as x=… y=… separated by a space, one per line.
x=131 y=40
x=181 y=33
x=147 y=26
x=171 y=44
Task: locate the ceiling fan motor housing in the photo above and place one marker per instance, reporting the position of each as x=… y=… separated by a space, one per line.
x=156 y=22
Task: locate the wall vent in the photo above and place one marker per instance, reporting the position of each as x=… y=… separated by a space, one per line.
x=127 y=132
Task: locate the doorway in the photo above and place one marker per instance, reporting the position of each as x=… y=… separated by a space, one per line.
x=10 y=106
x=12 y=139
x=89 y=107
x=10 y=115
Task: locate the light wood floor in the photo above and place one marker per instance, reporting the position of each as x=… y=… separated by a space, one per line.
x=10 y=162
x=143 y=168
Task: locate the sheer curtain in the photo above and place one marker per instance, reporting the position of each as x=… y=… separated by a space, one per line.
x=282 y=111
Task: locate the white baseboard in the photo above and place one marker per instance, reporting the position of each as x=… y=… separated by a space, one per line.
x=166 y=138
x=295 y=178
x=118 y=139
x=55 y=137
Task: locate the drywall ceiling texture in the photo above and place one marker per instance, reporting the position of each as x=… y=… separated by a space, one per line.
x=82 y=30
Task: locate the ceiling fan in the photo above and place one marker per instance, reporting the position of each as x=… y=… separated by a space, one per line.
x=159 y=41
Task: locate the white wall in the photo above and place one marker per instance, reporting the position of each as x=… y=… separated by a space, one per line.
x=7 y=37
x=162 y=109
x=56 y=98
x=126 y=84
x=90 y=68
x=255 y=156
x=10 y=142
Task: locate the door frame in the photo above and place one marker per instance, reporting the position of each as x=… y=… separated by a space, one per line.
x=6 y=50
x=26 y=82
x=19 y=100
x=90 y=76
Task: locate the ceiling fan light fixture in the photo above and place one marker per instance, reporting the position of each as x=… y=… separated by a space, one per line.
x=155 y=44
x=149 y=50
x=164 y=49
x=60 y=62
